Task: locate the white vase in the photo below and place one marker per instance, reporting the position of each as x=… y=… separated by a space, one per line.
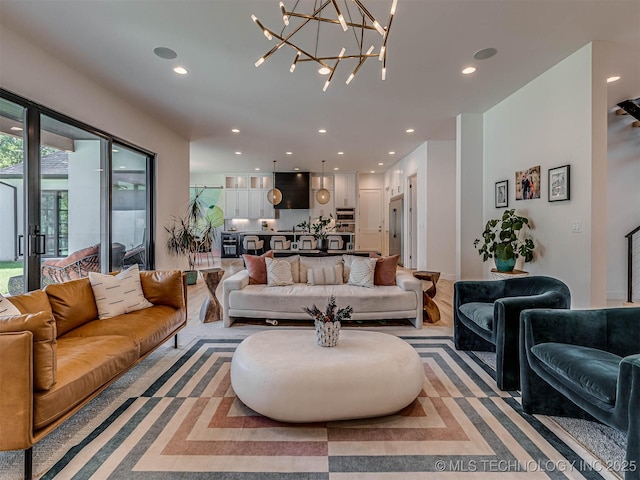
x=327 y=333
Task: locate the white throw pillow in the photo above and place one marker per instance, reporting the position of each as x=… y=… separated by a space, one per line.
x=278 y=272
x=7 y=309
x=325 y=275
x=118 y=294
x=307 y=263
x=294 y=260
x=347 y=259
x=362 y=272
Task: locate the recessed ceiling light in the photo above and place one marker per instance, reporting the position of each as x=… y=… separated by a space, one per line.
x=235 y=130
x=336 y=168
x=324 y=71
x=322 y=130
x=392 y=153
x=373 y=171
x=296 y=169
x=257 y=169
x=340 y=153
x=380 y=164
x=166 y=53
x=289 y=153
x=615 y=78
x=468 y=70
x=181 y=70
x=409 y=130
x=485 y=53
x=238 y=153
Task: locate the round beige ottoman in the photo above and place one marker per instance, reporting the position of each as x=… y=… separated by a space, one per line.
x=286 y=376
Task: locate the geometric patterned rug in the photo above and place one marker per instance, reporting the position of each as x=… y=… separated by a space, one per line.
x=190 y=425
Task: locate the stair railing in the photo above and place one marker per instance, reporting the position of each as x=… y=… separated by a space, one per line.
x=633 y=240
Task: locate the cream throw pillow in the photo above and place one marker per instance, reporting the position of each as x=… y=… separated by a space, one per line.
x=118 y=294
x=346 y=260
x=7 y=309
x=362 y=272
x=278 y=272
x=325 y=275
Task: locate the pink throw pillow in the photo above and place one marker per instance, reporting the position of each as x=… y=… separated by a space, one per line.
x=257 y=267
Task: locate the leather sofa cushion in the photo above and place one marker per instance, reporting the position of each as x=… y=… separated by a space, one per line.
x=163 y=287
x=43 y=327
x=84 y=365
x=146 y=328
x=592 y=371
x=480 y=313
x=31 y=302
x=291 y=298
x=72 y=303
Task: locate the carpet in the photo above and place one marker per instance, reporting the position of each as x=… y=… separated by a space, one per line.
x=188 y=424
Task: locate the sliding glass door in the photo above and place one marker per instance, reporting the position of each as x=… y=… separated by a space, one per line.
x=74 y=199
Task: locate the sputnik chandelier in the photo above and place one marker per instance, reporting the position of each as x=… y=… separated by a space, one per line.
x=360 y=21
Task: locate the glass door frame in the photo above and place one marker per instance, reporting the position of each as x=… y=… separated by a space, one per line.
x=33 y=241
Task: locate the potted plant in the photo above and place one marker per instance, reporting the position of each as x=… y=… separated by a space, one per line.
x=327 y=323
x=191 y=234
x=319 y=230
x=503 y=240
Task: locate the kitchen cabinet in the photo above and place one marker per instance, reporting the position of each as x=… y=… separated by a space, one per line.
x=316 y=182
x=345 y=190
x=236 y=203
x=259 y=206
x=261 y=182
x=237 y=181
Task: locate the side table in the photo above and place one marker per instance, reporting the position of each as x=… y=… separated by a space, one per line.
x=211 y=308
x=431 y=312
x=505 y=275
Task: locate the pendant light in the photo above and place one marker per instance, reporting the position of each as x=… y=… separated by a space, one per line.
x=274 y=196
x=322 y=196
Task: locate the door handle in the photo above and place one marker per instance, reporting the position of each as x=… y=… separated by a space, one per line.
x=20 y=240
x=395 y=216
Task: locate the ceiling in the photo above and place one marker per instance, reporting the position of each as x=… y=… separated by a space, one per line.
x=112 y=42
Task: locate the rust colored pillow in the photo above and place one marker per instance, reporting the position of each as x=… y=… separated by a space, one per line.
x=385 y=273
x=43 y=328
x=257 y=267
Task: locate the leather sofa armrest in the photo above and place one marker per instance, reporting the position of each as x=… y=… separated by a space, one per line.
x=16 y=390
x=408 y=282
x=237 y=281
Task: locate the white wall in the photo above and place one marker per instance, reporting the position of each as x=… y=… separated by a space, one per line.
x=551 y=122
x=33 y=73
x=441 y=210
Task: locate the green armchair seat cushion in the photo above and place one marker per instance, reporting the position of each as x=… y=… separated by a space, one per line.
x=588 y=371
x=480 y=313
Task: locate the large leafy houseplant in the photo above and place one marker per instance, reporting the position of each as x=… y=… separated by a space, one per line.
x=319 y=229
x=192 y=233
x=503 y=239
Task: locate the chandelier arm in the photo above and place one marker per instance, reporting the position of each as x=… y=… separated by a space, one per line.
x=344 y=57
x=328 y=20
x=284 y=41
x=364 y=10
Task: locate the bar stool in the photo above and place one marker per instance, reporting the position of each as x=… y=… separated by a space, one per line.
x=335 y=242
x=252 y=242
x=307 y=242
x=280 y=242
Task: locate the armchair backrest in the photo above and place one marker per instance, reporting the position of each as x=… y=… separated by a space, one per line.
x=537 y=285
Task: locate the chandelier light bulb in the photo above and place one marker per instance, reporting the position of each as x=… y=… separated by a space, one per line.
x=378 y=27
x=326 y=85
x=393 y=7
x=259 y=62
x=384 y=73
x=382 y=50
x=343 y=23
x=285 y=17
x=350 y=78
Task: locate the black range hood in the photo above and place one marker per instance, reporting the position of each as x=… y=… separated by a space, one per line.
x=295 y=190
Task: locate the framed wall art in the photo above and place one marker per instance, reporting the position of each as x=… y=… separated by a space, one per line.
x=560 y=183
x=528 y=183
x=502 y=194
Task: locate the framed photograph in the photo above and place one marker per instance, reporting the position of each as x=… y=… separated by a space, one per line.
x=502 y=194
x=528 y=183
x=559 y=183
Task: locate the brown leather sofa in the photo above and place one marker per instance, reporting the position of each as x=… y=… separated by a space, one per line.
x=57 y=355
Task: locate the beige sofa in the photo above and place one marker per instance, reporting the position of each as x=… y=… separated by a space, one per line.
x=57 y=355
x=242 y=300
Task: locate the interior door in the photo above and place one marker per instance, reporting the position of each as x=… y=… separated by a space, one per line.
x=370 y=220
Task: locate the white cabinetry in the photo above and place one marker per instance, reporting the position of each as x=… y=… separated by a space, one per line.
x=345 y=190
x=236 y=203
x=261 y=182
x=259 y=206
x=395 y=180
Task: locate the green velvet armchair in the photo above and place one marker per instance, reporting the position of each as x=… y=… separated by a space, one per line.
x=591 y=357
x=486 y=317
